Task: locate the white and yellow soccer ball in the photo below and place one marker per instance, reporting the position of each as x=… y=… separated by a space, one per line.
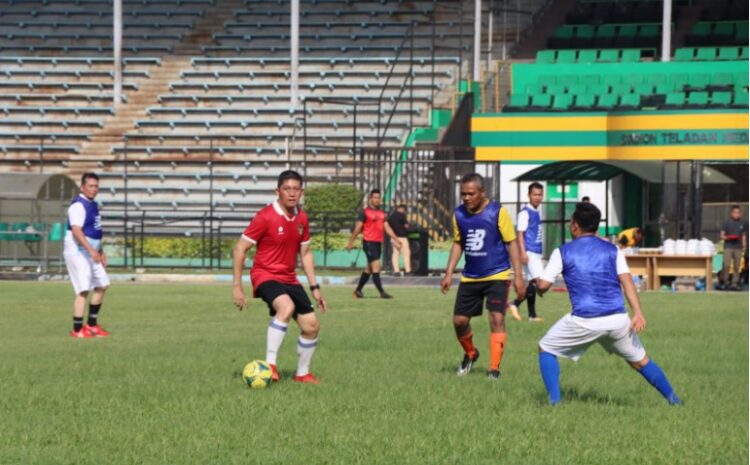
x=257 y=374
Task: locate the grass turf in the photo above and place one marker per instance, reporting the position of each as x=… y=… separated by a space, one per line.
x=165 y=388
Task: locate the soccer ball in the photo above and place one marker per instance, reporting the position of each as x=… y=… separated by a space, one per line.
x=257 y=374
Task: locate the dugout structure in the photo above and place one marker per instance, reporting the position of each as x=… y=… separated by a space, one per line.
x=32 y=219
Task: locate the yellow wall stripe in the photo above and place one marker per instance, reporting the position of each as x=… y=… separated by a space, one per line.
x=661 y=152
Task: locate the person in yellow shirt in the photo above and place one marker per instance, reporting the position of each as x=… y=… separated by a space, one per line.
x=629 y=238
x=484 y=232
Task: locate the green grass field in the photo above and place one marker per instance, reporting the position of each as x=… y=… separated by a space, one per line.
x=165 y=388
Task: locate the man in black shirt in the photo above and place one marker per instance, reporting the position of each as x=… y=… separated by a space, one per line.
x=734 y=235
x=399 y=224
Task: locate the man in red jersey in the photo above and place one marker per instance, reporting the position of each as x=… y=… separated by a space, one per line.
x=371 y=223
x=280 y=231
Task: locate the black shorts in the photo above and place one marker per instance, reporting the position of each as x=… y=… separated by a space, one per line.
x=373 y=250
x=269 y=290
x=471 y=296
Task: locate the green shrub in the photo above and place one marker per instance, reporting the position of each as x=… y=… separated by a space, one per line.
x=332 y=198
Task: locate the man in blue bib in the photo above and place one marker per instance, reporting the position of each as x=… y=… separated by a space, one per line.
x=529 y=227
x=596 y=274
x=85 y=259
x=483 y=231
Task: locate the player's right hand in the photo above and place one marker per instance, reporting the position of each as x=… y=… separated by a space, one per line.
x=638 y=322
x=96 y=256
x=445 y=284
x=239 y=299
x=520 y=286
x=349 y=246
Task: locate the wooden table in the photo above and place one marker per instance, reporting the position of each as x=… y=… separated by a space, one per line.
x=656 y=266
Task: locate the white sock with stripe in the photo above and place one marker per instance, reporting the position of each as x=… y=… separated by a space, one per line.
x=276 y=332
x=305 y=351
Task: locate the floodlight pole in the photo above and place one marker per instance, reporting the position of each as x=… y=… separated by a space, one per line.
x=477 y=39
x=294 y=55
x=666 y=31
x=117 y=53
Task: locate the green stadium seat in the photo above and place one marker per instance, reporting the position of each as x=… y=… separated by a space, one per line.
x=697 y=99
x=619 y=89
x=545 y=56
x=607 y=102
x=665 y=88
x=701 y=29
x=599 y=89
x=578 y=89
x=518 y=102
x=706 y=54
x=562 y=37
x=568 y=79
x=741 y=79
x=611 y=79
x=609 y=56
x=56 y=232
x=633 y=79
x=643 y=89
x=584 y=102
x=585 y=32
x=629 y=102
x=740 y=100
x=546 y=79
x=698 y=81
x=554 y=89
x=562 y=102
x=722 y=80
x=724 y=29
x=605 y=35
x=656 y=78
x=721 y=99
x=743 y=53
x=680 y=80
x=675 y=100
x=587 y=56
x=631 y=55
x=684 y=54
x=534 y=89
x=741 y=36
x=729 y=53
x=590 y=79
x=540 y=102
x=566 y=56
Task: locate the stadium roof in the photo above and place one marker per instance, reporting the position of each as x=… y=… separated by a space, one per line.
x=36 y=186
x=650 y=171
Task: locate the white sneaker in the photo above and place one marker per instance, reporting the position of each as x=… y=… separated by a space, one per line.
x=514 y=311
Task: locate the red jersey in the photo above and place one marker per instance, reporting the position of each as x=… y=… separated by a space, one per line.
x=278 y=239
x=372 y=224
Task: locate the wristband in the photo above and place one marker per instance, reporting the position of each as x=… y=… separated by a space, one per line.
x=315 y=286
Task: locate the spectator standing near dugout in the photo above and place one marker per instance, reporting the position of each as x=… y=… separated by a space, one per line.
x=734 y=235
x=399 y=224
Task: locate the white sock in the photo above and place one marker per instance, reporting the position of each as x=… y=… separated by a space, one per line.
x=276 y=333
x=305 y=351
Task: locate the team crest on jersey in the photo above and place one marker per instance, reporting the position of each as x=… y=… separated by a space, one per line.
x=281 y=230
x=300 y=229
x=475 y=241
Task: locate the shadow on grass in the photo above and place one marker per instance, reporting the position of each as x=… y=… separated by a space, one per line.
x=571 y=394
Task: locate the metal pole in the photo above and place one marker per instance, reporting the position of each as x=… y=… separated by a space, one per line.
x=432 y=51
x=666 y=31
x=490 y=20
x=411 y=77
x=211 y=205
x=117 y=52
x=125 y=185
x=698 y=202
x=606 y=208
x=294 y=54
x=477 y=39
x=562 y=215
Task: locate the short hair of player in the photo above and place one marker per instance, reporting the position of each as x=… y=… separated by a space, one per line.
x=374 y=191
x=89 y=175
x=735 y=207
x=473 y=177
x=289 y=174
x=535 y=185
x=586 y=199
x=587 y=217
x=401 y=205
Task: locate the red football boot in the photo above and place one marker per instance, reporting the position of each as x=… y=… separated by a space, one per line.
x=275 y=376
x=96 y=331
x=307 y=379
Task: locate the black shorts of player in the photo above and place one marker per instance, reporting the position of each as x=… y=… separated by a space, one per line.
x=373 y=250
x=269 y=290
x=471 y=296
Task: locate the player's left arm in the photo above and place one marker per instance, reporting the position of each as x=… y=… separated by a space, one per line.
x=244 y=244
x=637 y=321
x=394 y=238
x=308 y=266
x=508 y=233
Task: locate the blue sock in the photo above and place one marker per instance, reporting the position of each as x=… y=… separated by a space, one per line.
x=550 y=369
x=654 y=375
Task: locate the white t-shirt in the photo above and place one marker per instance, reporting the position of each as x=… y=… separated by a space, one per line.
x=555 y=266
x=76 y=217
x=522 y=222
